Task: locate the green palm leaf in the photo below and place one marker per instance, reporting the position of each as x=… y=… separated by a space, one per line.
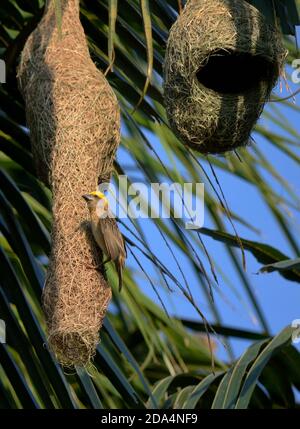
x=146 y=358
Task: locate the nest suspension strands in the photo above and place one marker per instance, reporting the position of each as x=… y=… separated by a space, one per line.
x=222 y=61
x=74 y=123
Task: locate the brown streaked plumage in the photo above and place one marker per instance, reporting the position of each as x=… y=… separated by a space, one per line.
x=106 y=232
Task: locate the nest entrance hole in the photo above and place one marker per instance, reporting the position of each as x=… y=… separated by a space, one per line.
x=230 y=72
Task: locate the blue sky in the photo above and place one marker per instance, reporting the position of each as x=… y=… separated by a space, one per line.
x=278 y=298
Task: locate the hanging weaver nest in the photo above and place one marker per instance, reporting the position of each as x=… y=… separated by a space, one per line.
x=74 y=123
x=222 y=61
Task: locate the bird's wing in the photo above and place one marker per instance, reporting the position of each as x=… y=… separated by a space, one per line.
x=113 y=239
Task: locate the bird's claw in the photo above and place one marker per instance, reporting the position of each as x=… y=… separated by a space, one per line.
x=98 y=267
x=94 y=267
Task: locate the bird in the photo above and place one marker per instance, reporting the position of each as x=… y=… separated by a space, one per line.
x=106 y=232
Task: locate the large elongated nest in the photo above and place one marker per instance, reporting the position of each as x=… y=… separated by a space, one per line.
x=222 y=61
x=74 y=121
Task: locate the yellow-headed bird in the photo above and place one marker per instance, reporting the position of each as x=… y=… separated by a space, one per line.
x=106 y=232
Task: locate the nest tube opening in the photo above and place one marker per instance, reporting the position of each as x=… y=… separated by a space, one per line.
x=234 y=72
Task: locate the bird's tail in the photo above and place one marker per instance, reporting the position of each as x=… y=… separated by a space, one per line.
x=119 y=267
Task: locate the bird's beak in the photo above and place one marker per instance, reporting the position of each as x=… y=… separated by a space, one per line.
x=105 y=204
x=87 y=197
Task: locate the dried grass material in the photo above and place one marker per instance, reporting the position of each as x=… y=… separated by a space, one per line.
x=74 y=122
x=221 y=63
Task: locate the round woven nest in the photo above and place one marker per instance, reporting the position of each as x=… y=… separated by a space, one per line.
x=222 y=61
